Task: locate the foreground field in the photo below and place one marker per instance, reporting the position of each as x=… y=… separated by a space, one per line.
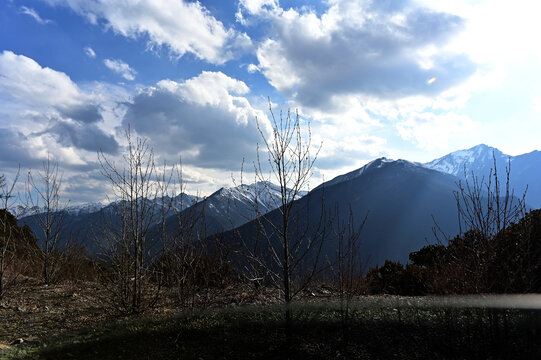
x=371 y=328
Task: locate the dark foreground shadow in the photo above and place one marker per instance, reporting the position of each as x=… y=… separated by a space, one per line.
x=392 y=330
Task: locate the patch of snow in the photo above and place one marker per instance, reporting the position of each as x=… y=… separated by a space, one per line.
x=265 y=196
x=474 y=159
x=379 y=163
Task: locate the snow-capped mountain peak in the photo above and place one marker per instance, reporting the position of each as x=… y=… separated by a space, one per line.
x=266 y=195
x=374 y=164
x=21 y=211
x=179 y=203
x=477 y=157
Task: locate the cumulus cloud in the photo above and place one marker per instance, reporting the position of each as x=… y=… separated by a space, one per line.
x=26 y=81
x=356 y=63
x=254 y=7
x=90 y=52
x=184 y=27
x=83 y=136
x=120 y=68
x=54 y=101
x=206 y=119
x=34 y=14
x=15 y=149
x=382 y=49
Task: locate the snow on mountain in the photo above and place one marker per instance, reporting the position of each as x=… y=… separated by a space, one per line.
x=525 y=169
x=398 y=199
x=377 y=164
x=265 y=195
x=178 y=203
x=479 y=159
x=84 y=208
x=21 y=211
x=228 y=208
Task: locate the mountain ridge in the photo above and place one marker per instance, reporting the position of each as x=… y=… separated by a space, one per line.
x=480 y=160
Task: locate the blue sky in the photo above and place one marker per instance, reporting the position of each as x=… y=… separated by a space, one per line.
x=193 y=76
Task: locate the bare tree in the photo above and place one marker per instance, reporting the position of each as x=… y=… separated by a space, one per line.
x=43 y=195
x=186 y=252
x=7 y=254
x=141 y=202
x=484 y=209
x=348 y=268
x=176 y=260
x=290 y=160
x=483 y=206
x=287 y=246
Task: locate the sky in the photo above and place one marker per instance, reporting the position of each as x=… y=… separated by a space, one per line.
x=402 y=79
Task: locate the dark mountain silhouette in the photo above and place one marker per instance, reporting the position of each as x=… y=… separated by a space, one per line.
x=83 y=225
x=401 y=199
x=223 y=210
x=18 y=239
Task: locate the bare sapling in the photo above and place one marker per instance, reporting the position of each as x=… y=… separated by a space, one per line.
x=130 y=250
x=43 y=196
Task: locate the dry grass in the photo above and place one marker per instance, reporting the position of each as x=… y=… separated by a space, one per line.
x=34 y=311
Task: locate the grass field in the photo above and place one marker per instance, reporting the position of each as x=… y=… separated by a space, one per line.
x=374 y=328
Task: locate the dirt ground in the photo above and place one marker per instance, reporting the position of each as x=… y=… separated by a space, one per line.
x=33 y=311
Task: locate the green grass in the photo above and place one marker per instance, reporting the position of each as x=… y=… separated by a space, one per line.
x=376 y=330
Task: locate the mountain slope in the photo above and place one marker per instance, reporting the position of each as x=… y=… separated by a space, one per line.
x=225 y=209
x=525 y=170
x=478 y=159
x=399 y=197
x=228 y=208
x=83 y=223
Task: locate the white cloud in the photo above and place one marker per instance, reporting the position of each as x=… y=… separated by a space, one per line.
x=360 y=65
x=120 y=68
x=52 y=108
x=348 y=151
x=255 y=7
x=25 y=80
x=90 y=52
x=184 y=27
x=486 y=39
x=252 y=68
x=207 y=119
x=34 y=14
x=274 y=64
x=387 y=50
x=432 y=131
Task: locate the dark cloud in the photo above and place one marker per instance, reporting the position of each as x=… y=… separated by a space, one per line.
x=84 y=136
x=205 y=135
x=86 y=186
x=84 y=113
x=14 y=150
x=377 y=54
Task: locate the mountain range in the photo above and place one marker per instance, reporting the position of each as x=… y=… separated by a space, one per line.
x=480 y=160
x=227 y=209
x=401 y=200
